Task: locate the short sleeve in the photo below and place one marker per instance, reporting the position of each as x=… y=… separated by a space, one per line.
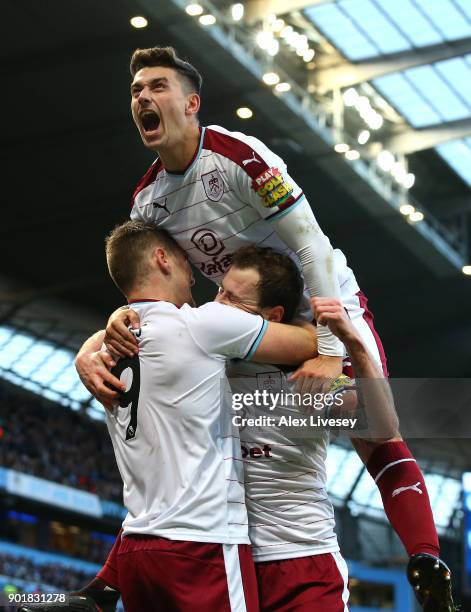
x=224 y=331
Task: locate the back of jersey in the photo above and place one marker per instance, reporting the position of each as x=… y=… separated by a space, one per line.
x=176 y=448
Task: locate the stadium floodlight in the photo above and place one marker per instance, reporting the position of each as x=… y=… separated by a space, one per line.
x=385 y=160
x=352 y=155
x=363 y=137
x=244 y=112
x=264 y=39
x=406 y=209
x=308 y=55
x=399 y=172
x=350 y=97
x=138 y=22
x=237 y=11
x=278 y=25
x=362 y=104
x=341 y=147
x=194 y=9
x=273 y=47
x=286 y=31
x=283 y=87
x=292 y=38
x=271 y=78
x=466 y=270
x=409 y=180
x=368 y=115
x=416 y=216
x=376 y=121
x=302 y=43
x=207 y=20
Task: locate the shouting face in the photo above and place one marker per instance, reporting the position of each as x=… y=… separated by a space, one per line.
x=162 y=106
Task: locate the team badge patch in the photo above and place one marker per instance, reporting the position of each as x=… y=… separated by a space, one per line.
x=213 y=185
x=272 y=187
x=270 y=382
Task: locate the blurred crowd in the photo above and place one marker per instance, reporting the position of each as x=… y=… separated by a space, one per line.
x=56 y=443
x=54 y=574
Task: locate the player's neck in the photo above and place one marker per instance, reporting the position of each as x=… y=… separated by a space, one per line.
x=178 y=157
x=146 y=293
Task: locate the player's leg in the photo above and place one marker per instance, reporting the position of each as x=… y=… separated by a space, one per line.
x=109 y=572
x=104 y=588
x=404 y=494
x=362 y=319
x=174 y=576
x=431 y=580
x=391 y=463
x=304 y=584
x=399 y=478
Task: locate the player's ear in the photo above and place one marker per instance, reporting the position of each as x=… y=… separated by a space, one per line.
x=274 y=314
x=161 y=260
x=193 y=102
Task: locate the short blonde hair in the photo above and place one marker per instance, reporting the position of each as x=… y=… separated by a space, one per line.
x=127 y=247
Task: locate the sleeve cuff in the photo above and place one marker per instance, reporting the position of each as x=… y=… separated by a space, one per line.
x=257 y=340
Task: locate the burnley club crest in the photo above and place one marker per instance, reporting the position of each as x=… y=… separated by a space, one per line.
x=213 y=186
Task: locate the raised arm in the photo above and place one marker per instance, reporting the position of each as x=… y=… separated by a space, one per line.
x=374 y=393
x=301 y=232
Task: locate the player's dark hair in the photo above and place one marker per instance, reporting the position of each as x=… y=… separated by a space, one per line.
x=127 y=249
x=168 y=58
x=280 y=280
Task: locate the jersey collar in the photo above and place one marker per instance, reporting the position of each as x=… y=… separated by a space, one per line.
x=147 y=300
x=194 y=159
x=139 y=300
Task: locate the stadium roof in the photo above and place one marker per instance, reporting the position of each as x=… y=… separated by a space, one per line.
x=431 y=94
x=363 y=29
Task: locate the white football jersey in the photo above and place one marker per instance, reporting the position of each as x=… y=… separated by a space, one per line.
x=290 y=514
x=228 y=196
x=176 y=447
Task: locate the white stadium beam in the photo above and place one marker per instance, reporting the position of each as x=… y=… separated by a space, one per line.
x=256 y=10
x=347 y=74
x=408 y=140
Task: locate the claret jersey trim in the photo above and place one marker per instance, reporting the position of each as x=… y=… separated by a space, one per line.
x=148 y=178
x=268 y=182
x=236 y=150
